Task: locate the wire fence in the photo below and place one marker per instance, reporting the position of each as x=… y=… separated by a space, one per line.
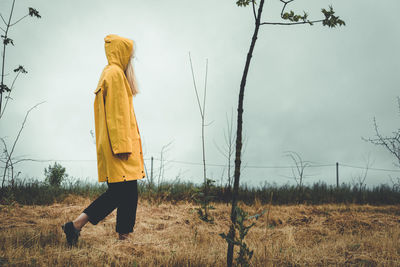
x=316 y=165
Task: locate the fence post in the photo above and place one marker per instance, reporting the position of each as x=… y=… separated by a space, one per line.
x=337 y=174
x=151 y=171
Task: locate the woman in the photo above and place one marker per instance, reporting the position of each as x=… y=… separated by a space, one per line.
x=119 y=149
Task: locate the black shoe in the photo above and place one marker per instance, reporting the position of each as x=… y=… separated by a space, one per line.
x=71 y=233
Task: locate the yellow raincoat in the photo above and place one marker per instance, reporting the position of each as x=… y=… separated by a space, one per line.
x=116 y=127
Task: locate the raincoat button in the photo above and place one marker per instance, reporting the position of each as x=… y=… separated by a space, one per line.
x=143 y=176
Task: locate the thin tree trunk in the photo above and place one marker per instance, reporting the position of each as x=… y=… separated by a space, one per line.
x=4 y=174
x=204 y=168
x=202 y=114
x=4 y=52
x=239 y=136
x=204 y=150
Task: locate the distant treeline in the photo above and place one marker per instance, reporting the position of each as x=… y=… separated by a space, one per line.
x=34 y=192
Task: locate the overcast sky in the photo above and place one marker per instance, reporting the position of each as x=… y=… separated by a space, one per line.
x=310 y=89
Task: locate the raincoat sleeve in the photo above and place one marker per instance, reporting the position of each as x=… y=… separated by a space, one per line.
x=118 y=114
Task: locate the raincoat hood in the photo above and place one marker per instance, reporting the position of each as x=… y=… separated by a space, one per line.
x=118 y=50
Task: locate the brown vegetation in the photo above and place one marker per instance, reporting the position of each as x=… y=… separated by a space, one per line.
x=171 y=234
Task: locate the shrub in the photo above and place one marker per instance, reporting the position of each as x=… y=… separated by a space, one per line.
x=55 y=174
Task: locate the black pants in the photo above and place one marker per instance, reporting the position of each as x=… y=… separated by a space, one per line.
x=121 y=195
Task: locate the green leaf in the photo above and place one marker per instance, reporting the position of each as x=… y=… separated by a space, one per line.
x=7 y=40
x=4 y=88
x=34 y=13
x=243 y=3
x=20 y=69
x=330 y=19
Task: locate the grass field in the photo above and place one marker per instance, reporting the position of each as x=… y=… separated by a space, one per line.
x=171 y=234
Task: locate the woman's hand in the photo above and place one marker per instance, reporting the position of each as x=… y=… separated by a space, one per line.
x=123 y=156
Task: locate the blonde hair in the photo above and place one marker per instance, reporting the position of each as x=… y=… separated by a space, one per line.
x=130 y=75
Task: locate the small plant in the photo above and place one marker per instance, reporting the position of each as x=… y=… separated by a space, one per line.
x=55 y=174
x=245 y=254
x=204 y=200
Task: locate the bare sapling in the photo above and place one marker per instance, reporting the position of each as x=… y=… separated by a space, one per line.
x=5 y=28
x=288 y=18
x=227 y=151
x=390 y=143
x=8 y=158
x=161 y=172
x=203 y=211
x=359 y=180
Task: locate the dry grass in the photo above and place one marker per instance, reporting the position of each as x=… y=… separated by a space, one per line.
x=172 y=235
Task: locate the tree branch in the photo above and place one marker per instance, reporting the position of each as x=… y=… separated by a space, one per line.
x=22 y=127
x=254 y=10
x=195 y=87
x=205 y=89
x=223 y=152
x=292 y=23
x=284 y=6
x=5 y=151
x=208 y=124
x=4 y=50
x=3 y=20
x=392 y=144
x=19 y=20
x=8 y=96
x=300 y=166
x=330 y=19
